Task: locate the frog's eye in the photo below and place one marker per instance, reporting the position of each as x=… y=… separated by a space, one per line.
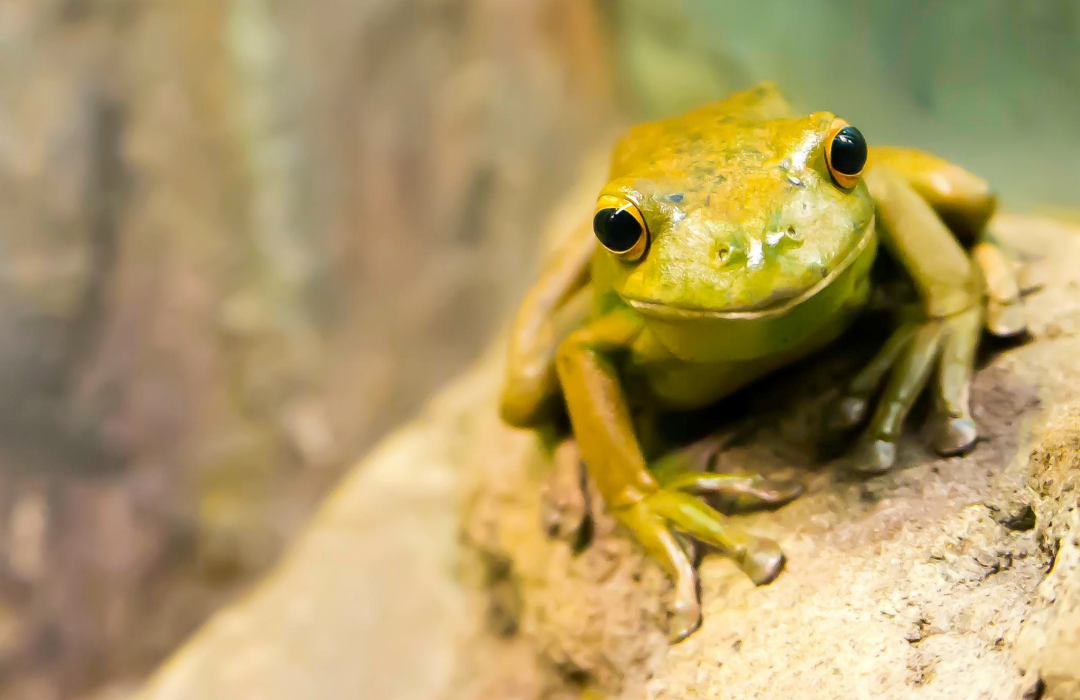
x=845 y=153
x=620 y=228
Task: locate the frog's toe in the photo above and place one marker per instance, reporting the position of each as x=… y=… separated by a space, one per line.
x=759 y=557
x=1006 y=320
x=1004 y=305
x=762 y=561
x=955 y=436
x=736 y=492
x=873 y=456
x=853 y=408
x=698 y=457
x=685 y=619
x=771 y=494
x=955 y=432
x=847 y=413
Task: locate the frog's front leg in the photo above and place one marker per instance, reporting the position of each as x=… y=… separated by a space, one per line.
x=966 y=204
x=603 y=427
x=943 y=332
x=558 y=303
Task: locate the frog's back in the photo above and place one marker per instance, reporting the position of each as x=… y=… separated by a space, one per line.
x=713 y=127
x=762 y=102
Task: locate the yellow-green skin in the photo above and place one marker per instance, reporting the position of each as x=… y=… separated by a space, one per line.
x=756 y=257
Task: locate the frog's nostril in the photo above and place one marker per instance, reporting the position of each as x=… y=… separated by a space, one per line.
x=785 y=238
x=728 y=254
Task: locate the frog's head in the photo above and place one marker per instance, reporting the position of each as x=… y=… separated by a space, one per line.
x=707 y=214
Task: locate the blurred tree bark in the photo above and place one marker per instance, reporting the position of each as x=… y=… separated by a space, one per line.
x=241 y=238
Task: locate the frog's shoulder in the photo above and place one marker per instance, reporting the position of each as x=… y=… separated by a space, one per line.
x=762 y=102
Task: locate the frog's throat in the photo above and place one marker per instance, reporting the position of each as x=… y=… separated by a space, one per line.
x=653 y=308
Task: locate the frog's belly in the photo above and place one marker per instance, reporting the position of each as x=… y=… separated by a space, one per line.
x=676 y=385
x=684 y=386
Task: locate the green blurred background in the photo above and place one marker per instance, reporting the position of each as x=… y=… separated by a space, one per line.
x=242 y=239
x=991 y=84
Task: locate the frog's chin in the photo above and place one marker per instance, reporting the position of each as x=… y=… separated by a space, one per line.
x=776 y=306
x=658 y=309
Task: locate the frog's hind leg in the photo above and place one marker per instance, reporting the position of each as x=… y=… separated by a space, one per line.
x=966 y=204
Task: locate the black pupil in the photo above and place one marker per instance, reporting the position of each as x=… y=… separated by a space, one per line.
x=848 y=151
x=617 y=229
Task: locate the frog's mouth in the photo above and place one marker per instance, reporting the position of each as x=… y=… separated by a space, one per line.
x=777 y=305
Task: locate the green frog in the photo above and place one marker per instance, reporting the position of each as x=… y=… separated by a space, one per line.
x=730 y=242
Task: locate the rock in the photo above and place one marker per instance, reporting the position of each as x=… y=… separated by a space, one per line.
x=1051 y=640
x=928 y=582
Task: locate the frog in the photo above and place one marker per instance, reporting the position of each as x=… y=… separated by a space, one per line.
x=728 y=243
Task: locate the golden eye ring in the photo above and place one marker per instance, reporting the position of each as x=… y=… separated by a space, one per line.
x=845 y=153
x=620 y=228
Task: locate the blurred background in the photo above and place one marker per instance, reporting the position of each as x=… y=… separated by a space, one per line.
x=242 y=239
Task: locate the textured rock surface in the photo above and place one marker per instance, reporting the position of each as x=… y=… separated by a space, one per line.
x=931 y=582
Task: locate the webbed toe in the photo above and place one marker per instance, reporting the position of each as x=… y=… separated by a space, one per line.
x=955 y=436
x=763 y=561
x=873 y=456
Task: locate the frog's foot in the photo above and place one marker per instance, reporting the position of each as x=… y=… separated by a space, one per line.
x=1004 y=300
x=908 y=358
x=654 y=520
x=564 y=502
